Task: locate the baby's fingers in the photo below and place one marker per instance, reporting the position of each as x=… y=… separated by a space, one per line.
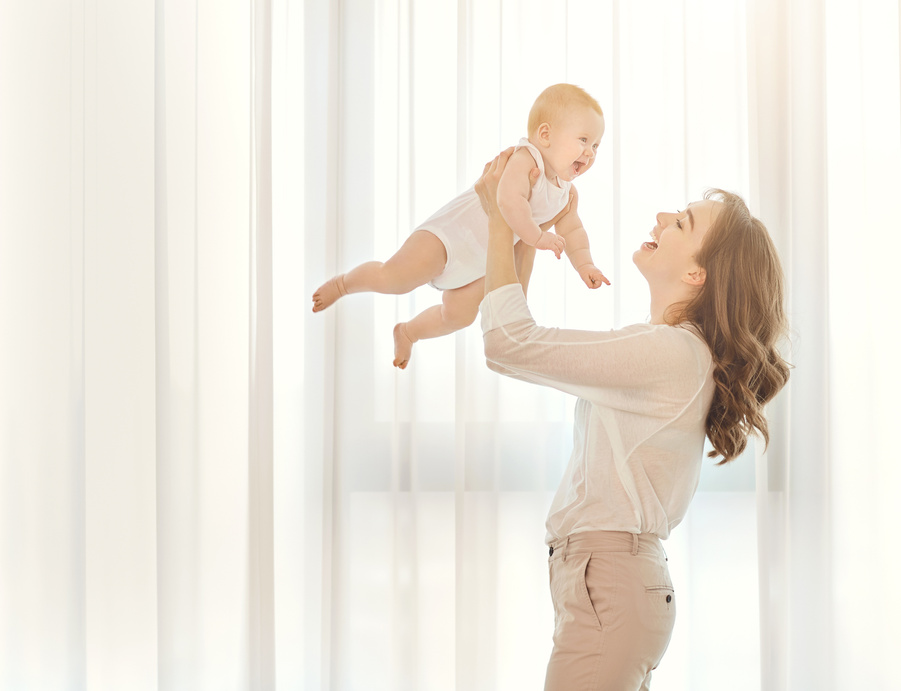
x=596 y=279
x=559 y=245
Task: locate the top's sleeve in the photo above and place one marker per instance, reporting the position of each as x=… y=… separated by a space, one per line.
x=590 y=364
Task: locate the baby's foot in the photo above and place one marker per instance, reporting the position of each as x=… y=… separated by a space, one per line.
x=403 y=346
x=328 y=292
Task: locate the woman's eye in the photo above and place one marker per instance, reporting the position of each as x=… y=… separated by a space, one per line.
x=678 y=224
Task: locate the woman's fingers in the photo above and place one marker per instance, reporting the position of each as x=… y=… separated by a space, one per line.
x=504 y=155
x=495 y=167
x=486 y=186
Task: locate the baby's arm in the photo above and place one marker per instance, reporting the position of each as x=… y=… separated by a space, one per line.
x=513 y=192
x=570 y=227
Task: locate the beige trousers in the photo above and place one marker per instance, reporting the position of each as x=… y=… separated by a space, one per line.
x=614 y=611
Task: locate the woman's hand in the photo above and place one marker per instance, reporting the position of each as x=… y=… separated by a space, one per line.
x=486 y=186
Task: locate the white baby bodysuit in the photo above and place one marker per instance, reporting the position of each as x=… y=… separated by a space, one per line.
x=462 y=225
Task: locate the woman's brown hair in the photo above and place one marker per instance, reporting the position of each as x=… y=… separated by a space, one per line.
x=739 y=312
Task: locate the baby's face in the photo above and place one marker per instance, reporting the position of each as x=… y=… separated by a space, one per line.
x=573 y=143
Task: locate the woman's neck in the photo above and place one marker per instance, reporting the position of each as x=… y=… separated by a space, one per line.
x=664 y=305
x=658 y=314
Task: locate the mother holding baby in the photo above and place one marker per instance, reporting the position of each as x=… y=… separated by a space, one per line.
x=705 y=364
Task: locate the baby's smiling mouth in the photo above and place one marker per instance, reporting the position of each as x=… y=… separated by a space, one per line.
x=577 y=166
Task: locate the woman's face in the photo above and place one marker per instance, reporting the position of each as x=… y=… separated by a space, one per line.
x=677 y=237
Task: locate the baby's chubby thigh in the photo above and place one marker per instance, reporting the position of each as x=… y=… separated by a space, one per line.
x=460 y=306
x=419 y=260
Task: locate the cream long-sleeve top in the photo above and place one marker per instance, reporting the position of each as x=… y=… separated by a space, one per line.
x=644 y=392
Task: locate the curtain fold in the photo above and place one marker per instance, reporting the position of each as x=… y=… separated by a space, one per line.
x=794 y=481
x=261 y=584
x=119 y=588
x=863 y=160
x=213 y=324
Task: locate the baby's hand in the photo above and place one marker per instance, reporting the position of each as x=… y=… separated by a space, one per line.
x=592 y=276
x=552 y=242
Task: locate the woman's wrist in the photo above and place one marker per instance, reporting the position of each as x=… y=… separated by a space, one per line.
x=500 y=268
x=498 y=224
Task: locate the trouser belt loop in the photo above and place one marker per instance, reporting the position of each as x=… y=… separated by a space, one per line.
x=565 y=548
x=634 y=544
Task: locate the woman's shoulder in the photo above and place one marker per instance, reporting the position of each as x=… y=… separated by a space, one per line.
x=668 y=345
x=661 y=331
x=692 y=345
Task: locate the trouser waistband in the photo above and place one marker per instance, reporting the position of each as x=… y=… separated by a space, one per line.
x=606 y=541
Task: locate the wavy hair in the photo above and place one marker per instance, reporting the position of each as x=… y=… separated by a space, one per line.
x=740 y=313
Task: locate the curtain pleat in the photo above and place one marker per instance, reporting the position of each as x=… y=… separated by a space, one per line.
x=315 y=413
x=120 y=596
x=863 y=174
x=261 y=399
x=795 y=549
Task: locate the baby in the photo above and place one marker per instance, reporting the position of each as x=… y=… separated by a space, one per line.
x=449 y=249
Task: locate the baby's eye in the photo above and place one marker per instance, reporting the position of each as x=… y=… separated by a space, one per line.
x=583 y=139
x=595 y=147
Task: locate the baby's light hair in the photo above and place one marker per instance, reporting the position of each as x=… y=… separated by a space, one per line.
x=557 y=99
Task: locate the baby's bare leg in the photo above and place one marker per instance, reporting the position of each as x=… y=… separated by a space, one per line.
x=458 y=309
x=420 y=259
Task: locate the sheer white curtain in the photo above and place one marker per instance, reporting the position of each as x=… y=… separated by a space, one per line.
x=135 y=491
x=204 y=486
x=827 y=112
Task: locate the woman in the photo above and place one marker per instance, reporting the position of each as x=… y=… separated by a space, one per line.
x=706 y=364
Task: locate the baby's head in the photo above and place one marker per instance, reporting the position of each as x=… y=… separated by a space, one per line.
x=566 y=124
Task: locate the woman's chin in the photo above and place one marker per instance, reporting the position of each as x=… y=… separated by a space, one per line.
x=639 y=258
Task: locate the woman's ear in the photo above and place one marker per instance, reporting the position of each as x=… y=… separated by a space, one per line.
x=544 y=134
x=695 y=277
